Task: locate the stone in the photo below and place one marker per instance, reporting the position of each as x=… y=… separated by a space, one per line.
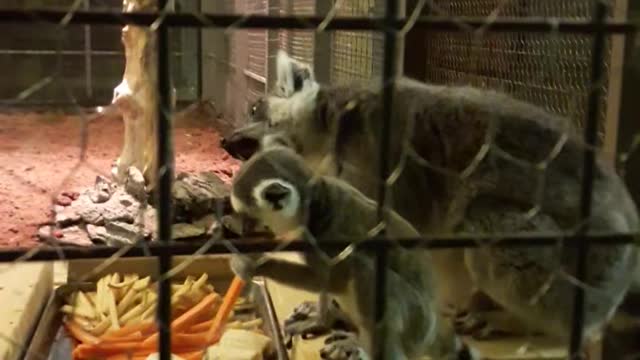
x=119 y=233
x=73 y=235
x=150 y=220
x=208 y=223
x=195 y=195
x=121 y=207
x=135 y=184
x=102 y=190
x=185 y=231
x=67 y=216
x=63 y=200
x=97 y=233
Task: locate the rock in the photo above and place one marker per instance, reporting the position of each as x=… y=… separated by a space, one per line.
x=184 y=231
x=121 y=233
x=67 y=216
x=150 y=220
x=73 y=235
x=135 y=184
x=208 y=223
x=195 y=195
x=73 y=195
x=90 y=212
x=63 y=200
x=119 y=207
x=101 y=191
x=97 y=233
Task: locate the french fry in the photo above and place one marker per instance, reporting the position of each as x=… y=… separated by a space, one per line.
x=134 y=312
x=148 y=314
x=92 y=298
x=129 y=279
x=78 y=333
x=100 y=327
x=113 y=310
x=126 y=301
x=202 y=280
x=68 y=309
x=142 y=284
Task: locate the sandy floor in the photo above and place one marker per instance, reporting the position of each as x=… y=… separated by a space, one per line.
x=40 y=156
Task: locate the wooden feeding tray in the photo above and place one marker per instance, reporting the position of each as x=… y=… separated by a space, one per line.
x=50 y=338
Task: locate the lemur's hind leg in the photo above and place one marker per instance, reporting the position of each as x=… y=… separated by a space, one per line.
x=310 y=319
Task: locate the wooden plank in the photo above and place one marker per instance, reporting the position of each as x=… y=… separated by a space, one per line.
x=24 y=290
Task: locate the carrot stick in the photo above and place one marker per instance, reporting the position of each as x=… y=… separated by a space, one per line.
x=230 y=298
x=185 y=320
x=182 y=340
x=136 y=336
x=81 y=335
x=200 y=327
x=89 y=351
x=143 y=327
x=195 y=355
x=191 y=355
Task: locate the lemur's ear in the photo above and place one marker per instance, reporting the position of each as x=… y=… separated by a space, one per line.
x=292 y=75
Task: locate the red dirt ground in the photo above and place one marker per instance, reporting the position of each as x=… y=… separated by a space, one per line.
x=40 y=156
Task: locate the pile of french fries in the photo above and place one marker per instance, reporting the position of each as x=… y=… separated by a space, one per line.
x=116 y=321
x=123 y=300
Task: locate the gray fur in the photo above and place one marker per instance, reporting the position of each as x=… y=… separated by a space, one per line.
x=447 y=127
x=333 y=210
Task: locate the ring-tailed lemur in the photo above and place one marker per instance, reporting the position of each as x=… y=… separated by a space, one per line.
x=276 y=188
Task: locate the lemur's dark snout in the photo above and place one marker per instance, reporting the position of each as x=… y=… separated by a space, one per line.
x=274 y=194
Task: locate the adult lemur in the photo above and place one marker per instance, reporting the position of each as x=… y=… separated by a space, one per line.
x=467 y=159
x=279 y=190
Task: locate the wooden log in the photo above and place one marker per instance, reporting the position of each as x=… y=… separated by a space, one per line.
x=136 y=97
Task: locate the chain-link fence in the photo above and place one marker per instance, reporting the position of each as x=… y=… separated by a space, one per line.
x=545 y=63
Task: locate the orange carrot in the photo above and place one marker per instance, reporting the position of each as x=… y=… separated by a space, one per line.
x=136 y=336
x=190 y=355
x=181 y=340
x=81 y=335
x=143 y=327
x=200 y=327
x=195 y=355
x=91 y=351
x=187 y=319
x=230 y=298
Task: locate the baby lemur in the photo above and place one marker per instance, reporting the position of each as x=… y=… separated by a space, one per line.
x=279 y=190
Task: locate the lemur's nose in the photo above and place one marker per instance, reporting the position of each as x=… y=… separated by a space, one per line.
x=274 y=194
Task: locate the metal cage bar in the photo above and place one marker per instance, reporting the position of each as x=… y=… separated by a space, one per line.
x=165 y=179
x=590 y=137
x=390 y=24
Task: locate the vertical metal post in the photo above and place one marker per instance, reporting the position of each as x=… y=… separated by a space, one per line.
x=590 y=135
x=200 y=55
x=165 y=177
x=88 y=75
x=388 y=85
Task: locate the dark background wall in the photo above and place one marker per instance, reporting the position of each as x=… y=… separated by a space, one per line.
x=91 y=63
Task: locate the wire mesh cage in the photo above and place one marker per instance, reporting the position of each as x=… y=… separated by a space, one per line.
x=550 y=70
x=537 y=59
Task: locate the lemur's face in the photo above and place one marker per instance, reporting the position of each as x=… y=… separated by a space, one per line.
x=269 y=189
x=279 y=112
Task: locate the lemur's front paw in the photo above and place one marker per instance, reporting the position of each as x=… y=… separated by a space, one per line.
x=307 y=321
x=475 y=325
x=243 y=266
x=342 y=345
